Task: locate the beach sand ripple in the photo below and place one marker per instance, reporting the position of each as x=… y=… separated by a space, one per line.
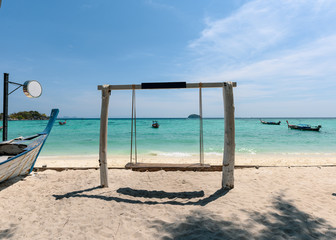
x=266 y=203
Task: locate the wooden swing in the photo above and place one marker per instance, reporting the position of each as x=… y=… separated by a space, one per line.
x=135 y=166
x=229 y=137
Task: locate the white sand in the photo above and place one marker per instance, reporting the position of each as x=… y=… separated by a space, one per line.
x=299 y=159
x=266 y=203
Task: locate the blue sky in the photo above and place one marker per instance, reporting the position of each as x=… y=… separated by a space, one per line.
x=282 y=54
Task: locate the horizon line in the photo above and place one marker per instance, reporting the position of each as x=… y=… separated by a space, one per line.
x=198 y=118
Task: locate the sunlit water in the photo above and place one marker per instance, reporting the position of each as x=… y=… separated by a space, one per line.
x=180 y=136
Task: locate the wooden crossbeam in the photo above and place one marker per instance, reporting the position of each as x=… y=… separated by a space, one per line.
x=165 y=85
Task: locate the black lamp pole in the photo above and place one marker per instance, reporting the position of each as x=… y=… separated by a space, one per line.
x=31 y=89
x=5 y=105
x=5 y=109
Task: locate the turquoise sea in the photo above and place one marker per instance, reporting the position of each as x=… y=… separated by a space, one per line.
x=181 y=136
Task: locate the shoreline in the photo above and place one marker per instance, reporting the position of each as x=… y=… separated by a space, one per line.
x=285 y=159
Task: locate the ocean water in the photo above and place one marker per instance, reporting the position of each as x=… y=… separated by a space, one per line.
x=181 y=136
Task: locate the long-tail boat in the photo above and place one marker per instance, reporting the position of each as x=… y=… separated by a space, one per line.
x=155 y=124
x=62 y=123
x=18 y=156
x=270 y=123
x=304 y=127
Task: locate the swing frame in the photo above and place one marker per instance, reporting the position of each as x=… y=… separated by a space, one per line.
x=229 y=124
x=152 y=167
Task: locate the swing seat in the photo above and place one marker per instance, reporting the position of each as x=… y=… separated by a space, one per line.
x=153 y=167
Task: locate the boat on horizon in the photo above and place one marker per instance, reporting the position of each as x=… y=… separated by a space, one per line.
x=304 y=127
x=270 y=123
x=18 y=156
x=155 y=124
x=62 y=123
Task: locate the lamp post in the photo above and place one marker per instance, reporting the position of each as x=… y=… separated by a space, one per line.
x=31 y=89
x=5 y=108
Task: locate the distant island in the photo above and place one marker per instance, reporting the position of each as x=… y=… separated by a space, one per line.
x=194 y=116
x=25 y=115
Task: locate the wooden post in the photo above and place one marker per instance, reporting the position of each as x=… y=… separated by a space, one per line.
x=103 y=136
x=201 y=126
x=229 y=137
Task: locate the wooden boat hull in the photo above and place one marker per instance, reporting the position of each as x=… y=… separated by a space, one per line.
x=270 y=123
x=19 y=165
x=304 y=127
x=23 y=163
x=155 y=124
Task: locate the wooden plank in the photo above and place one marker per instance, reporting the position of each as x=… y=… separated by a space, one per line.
x=210 y=84
x=151 y=167
x=188 y=85
x=229 y=138
x=103 y=137
x=120 y=87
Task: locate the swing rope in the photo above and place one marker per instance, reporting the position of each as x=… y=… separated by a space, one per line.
x=133 y=123
x=133 y=126
x=201 y=125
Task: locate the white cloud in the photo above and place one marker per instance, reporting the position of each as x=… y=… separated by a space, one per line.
x=274 y=50
x=261 y=25
x=250 y=30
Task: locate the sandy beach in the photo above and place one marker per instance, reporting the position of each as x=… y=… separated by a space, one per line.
x=286 y=159
x=266 y=203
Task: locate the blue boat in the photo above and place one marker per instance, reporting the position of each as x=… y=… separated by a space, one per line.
x=18 y=156
x=304 y=127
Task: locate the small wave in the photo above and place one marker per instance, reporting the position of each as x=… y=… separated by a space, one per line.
x=175 y=154
x=308 y=153
x=247 y=150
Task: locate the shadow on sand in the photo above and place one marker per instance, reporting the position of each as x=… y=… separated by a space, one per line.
x=284 y=221
x=149 y=194
x=8 y=233
x=159 y=194
x=10 y=182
